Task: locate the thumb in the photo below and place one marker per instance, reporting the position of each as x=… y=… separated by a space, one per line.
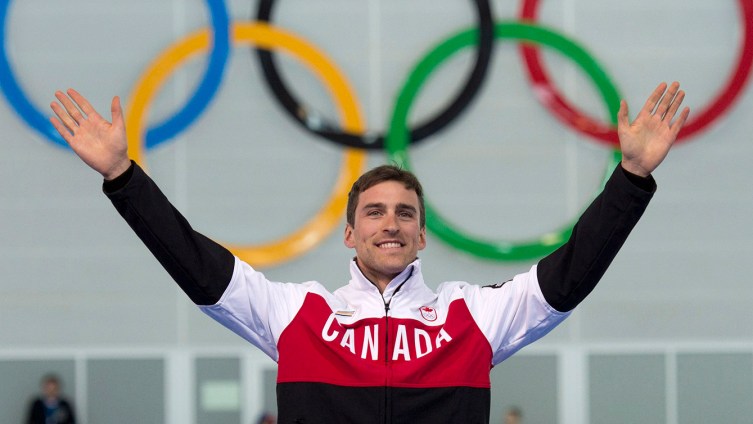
x=117 y=112
x=622 y=115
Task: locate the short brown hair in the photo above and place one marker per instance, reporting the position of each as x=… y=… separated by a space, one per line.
x=381 y=174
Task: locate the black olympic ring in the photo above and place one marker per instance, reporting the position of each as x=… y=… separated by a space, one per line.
x=372 y=141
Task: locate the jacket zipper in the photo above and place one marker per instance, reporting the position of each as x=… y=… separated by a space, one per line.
x=387 y=388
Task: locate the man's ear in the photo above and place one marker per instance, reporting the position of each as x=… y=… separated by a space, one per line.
x=422 y=239
x=348 y=240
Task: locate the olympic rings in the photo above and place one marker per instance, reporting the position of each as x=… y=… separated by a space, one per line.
x=162 y=132
x=209 y=83
x=571 y=116
x=397 y=142
x=328 y=131
x=351 y=132
x=316 y=229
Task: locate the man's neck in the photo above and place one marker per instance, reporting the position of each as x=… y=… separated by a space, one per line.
x=379 y=281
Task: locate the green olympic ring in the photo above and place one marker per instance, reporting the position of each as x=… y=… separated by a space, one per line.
x=397 y=141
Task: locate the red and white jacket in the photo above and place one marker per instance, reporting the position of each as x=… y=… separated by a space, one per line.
x=407 y=355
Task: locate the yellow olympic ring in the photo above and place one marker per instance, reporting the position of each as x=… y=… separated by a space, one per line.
x=268 y=37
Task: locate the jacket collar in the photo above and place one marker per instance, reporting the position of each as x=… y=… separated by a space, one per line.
x=411 y=276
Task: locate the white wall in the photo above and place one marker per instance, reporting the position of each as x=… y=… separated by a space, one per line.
x=72 y=274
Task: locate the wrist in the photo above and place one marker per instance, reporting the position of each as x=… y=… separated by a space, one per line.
x=635 y=169
x=117 y=170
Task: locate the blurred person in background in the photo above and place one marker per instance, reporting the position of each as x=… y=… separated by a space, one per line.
x=50 y=406
x=267 y=418
x=514 y=415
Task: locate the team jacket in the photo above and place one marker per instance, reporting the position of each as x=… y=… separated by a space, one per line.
x=408 y=355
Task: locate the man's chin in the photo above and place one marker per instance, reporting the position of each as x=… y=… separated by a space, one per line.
x=395 y=266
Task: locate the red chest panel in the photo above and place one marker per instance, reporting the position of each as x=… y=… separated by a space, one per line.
x=383 y=351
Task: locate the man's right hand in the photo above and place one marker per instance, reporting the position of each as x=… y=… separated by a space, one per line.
x=100 y=144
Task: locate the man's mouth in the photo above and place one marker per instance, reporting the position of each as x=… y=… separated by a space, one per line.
x=389 y=245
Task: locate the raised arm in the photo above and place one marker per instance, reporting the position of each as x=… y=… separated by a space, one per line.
x=201 y=267
x=571 y=272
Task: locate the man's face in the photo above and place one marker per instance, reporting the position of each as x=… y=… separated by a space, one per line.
x=387 y=235
x=50 y=389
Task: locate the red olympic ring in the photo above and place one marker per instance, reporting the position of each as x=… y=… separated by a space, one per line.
x=603 y=132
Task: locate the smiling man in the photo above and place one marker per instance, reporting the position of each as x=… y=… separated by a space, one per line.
x=384 y=348
x=388 y=204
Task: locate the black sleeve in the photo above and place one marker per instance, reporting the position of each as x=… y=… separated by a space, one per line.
x=201 y=267
x=36 y=412
x=69 y=412
x=571 y=272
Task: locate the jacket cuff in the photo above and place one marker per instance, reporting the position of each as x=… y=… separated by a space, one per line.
x=644 y=183
x=120 y=181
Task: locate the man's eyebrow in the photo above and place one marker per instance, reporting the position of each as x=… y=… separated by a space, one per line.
x=375 y=205
x=405 y=206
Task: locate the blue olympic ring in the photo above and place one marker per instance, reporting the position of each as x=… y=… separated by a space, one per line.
x=160 y=132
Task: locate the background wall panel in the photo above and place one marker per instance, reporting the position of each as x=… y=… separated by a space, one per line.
x=73 y=278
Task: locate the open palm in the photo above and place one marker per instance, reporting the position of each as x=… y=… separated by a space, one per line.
x=646 y=141
x=100 y=144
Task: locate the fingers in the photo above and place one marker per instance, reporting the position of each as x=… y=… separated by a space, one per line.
x=71 y=108
x=679 y=122
x=653 y=100
x=74 y=104
x=674 y=106
x=668 y=100
x=63 y=116
x=61 y=128
x=669 y=106
x=82 y=103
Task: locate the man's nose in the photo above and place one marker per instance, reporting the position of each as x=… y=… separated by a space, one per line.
x=391 y=223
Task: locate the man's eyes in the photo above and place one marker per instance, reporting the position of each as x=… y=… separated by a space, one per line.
x=401 y=214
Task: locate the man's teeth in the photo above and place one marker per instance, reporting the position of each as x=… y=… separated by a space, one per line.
x=389 y=245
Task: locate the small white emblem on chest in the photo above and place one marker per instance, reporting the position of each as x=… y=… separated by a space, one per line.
x=428 y=313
